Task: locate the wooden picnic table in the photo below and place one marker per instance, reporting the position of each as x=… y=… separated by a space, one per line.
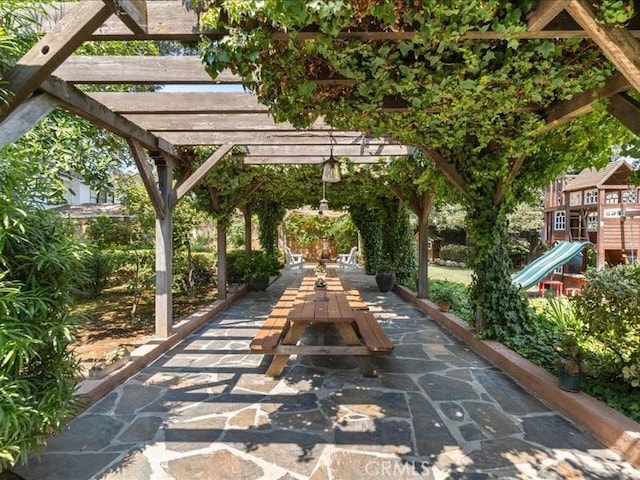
x=361 y=333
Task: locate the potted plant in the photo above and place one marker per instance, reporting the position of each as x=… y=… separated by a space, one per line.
x=320 y=288
x=385 y=274
x=443 y=296
x=260 y=267
x=570 y=363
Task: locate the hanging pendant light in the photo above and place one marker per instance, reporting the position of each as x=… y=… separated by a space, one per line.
x=324 y=204
x=331 y=166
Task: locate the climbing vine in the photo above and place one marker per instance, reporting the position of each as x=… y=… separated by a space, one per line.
x=270 y=214
x=476 y=102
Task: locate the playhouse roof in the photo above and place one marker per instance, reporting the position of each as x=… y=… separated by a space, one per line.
x=591 y=178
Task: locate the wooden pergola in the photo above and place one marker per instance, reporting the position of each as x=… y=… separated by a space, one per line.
x=156 y=124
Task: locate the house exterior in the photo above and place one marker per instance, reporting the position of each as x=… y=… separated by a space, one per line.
x=600 y=206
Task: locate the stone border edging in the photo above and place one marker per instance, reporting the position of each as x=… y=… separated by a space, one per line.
x=610 y=427
x=90 y=391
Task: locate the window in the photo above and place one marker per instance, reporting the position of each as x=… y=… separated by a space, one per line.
x=592 y=222
x=560 y=221
x=591 y=197
x=575 y=198
x=611 y=197
x=629 y=196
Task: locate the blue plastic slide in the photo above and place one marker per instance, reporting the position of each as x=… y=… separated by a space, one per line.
x=545 y=264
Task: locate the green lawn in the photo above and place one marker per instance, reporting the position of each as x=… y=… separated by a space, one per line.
x=452 y=274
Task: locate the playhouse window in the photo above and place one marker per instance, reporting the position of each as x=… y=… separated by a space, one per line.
x=612 y=197
x=629 y=196
x=560 y=221
x=591 y=197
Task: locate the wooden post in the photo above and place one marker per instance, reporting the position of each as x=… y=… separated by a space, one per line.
x=423 y=211
x=222 y=259
x=246 y=212
x=164 y=251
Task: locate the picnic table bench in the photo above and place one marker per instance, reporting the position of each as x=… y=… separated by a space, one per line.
x=298 y=308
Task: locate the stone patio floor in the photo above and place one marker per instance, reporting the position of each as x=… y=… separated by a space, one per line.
x=204 y=410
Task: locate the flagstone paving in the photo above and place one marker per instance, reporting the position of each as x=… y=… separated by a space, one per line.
x=204 y=410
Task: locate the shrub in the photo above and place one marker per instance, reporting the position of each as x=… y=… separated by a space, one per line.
x=262 y=264
x=195 y=272
x=236 y=266
x=610 y=310
x=457 y=293
x=457 y=253
x=40 y=266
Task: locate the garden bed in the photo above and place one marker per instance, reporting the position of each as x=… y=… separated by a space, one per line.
x=108 y=324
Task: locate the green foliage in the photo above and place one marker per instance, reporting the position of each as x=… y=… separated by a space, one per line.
x=236 y=265
x=262 y=263
x=304 y=231
x=270 y=215
x=571 y=357
x=109 y=232
x=449 y=216
x=457 y=253
x=610 y=310
x=517 y=249
x=39 y=268
x=195 y=272
x=454 y=292
x=465 y=101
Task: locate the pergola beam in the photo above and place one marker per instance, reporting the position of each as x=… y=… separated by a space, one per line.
x=133 y=13
x=627 y=110
x=171 y=20
x=139 y=70
x=188 y=184
x=48 y=53
x=25 y=116
x=324 y=151
x=582 y=103
x=204 y=122
x=79 y=103
x=617 y=44
x=448 y=171
x=544 y=13
x=273 y=137
x=307 y=160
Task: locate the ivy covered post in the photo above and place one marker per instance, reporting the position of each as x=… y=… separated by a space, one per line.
x=367 y=220
x=270 y=214
x=423 y=208
x=246 y=213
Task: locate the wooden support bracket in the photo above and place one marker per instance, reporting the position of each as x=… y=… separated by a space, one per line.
x=139 y=156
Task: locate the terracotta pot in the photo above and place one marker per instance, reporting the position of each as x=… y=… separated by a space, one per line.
x=444 y=305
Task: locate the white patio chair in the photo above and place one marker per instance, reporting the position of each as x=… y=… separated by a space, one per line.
x=293 y=259
x=348 y=260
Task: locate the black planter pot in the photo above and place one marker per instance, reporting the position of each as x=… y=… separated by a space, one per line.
x=259 y=283
x=569 y=382
x=385 y=281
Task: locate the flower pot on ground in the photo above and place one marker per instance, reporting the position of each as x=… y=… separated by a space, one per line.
x=570 y=363
x=444 y=305
x=443 y=297
x=385 y=275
